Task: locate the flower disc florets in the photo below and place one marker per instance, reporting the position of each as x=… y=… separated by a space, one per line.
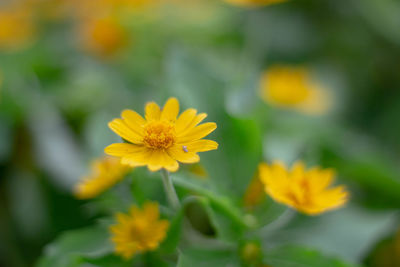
x=159 y=135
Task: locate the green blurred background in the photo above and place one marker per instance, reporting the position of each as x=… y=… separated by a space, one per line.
x=58 y=91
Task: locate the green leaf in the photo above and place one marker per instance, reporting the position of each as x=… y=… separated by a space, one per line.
x=226 y=218
x=155 y=259
x=107 y=260
x=208 y=258
x=294 y=256
x=223 y=220
x=68 y=249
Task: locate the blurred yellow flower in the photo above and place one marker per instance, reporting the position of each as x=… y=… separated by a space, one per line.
x=161 y=139
x=307 y=191
x=103 y=36
x=254 y=3
x=139 y=231
x=17 y=27
x=293 y=87
x=106 y=172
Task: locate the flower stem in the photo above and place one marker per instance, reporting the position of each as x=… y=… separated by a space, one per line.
x=170 y=190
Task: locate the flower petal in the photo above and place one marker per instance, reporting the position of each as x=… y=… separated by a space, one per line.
x=177 y=152
x=196 y=120
x=197 y=132
x=185 y=119
x=123 y=149
x=151 y=211
x=201 y=145
x=122 y=129
x=152 y=111
x=170 y=110
x=133 y=120
x=160 y=159
x=140 y=158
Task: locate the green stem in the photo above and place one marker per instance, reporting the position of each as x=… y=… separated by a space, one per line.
x=170 y=190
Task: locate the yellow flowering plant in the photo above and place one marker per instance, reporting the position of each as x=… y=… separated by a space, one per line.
x=160 y=140
x=261 y=194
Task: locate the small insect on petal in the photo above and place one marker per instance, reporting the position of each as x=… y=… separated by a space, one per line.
x=185 y=149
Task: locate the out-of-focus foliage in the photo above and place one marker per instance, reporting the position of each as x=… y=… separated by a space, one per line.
x=68 y=68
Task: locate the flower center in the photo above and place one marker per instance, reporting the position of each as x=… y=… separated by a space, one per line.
x=138 y=233
x=159 y=135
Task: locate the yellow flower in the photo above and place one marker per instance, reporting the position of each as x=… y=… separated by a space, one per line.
x=106 y=172
x=139 y=231
x=17 y=27
x=308 y=191
x=103 y=36
x=162 y=138
x=293 y=87
x=254 y=3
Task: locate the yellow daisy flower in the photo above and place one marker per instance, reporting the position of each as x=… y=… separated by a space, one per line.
x=293 y=87
x=254 y=3
x=308 y=191
x=106 y=172
x=17 y=27
x=161 y=139
x=139 y=231
x=103 y=36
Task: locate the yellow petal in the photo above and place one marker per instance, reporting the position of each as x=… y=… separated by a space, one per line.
x=133 y=120
x=152 y=111
x=172 y=168
x=196 y=120
x=332 y=198
x=151 y=211
x=122 y=218
x=135 y=211
x=264 y=173
x=177 y=152
x=201 y=145
x=185 y=119
x=123 y=149
x=122 y=129
x=298 y=168
x=140 y=158
x=197 y=132
x=321 y=179
x=160 y=159
x=170 y=110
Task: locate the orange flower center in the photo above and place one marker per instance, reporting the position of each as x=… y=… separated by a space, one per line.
x=138 y=232
x=301 y=192
x=159 y=135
